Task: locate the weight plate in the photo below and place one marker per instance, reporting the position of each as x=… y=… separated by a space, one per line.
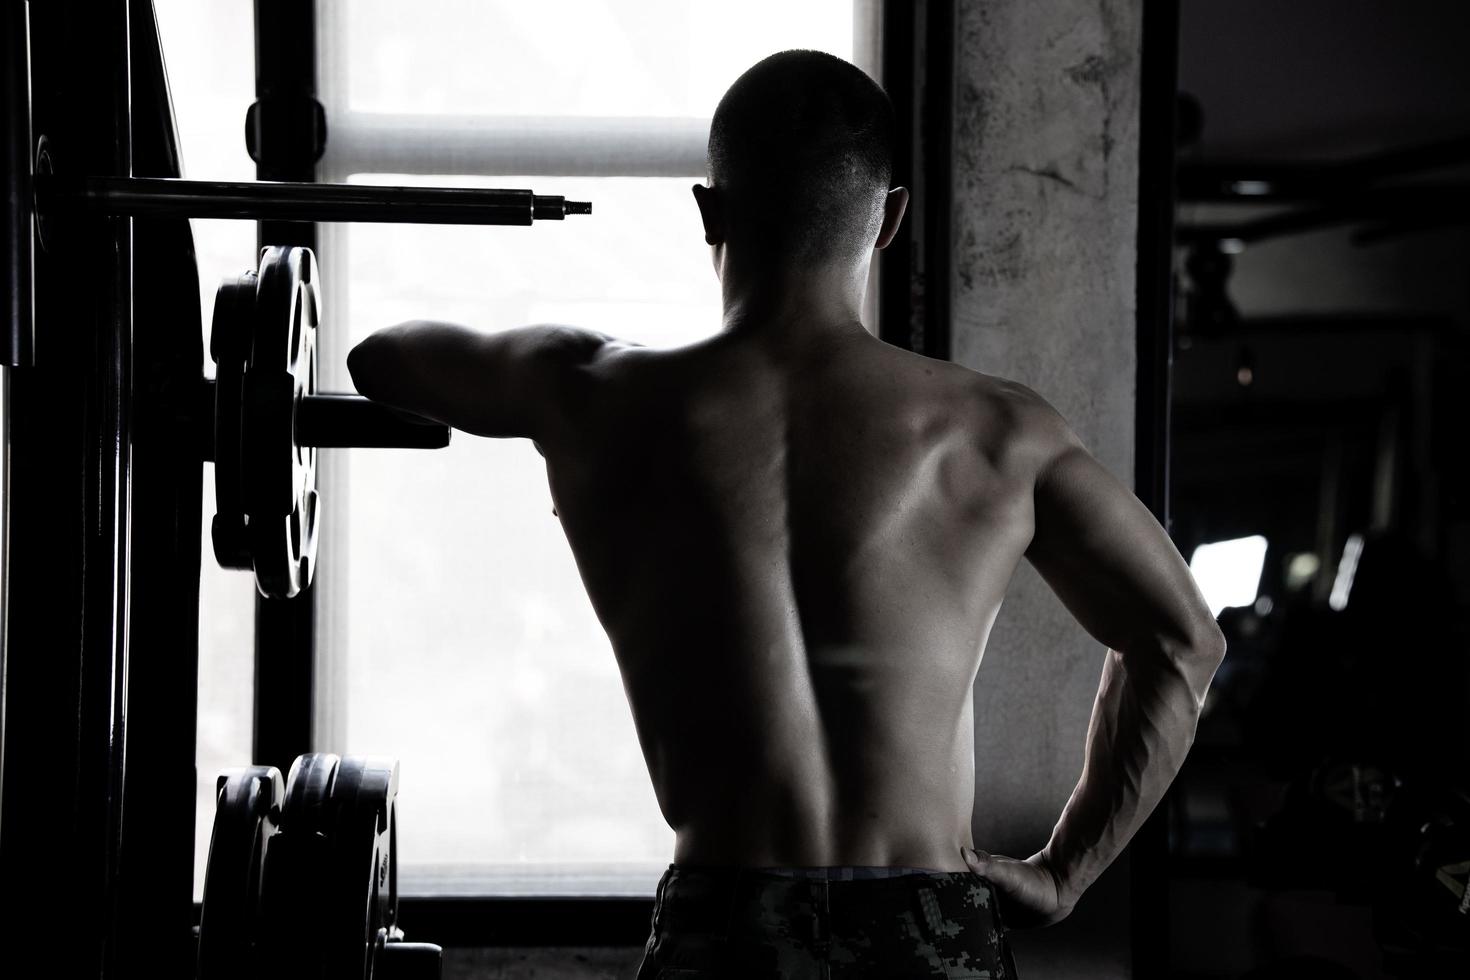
x=229 y=346
x=298 y=876
x=264 y=343
x=246 y=816
x=364 y=886
x=280 y=475
x=308 y=792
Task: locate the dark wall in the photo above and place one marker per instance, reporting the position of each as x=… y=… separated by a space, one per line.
x=1320 y=78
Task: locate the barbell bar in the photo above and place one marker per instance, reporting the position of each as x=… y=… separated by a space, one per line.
x=333 y=420
x=283 y=201
x=38 y=193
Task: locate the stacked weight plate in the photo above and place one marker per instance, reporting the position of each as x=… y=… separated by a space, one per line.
x=302 y=879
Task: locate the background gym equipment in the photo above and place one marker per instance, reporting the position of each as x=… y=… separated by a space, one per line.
x=303 y=879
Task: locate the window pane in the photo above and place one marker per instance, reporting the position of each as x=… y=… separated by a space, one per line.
x=636 y=267
x=1229 y=572
x=572 y=57
x=212 y=85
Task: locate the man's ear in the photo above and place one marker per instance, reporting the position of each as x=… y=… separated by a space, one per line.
x=894 y=206
x=710 y=213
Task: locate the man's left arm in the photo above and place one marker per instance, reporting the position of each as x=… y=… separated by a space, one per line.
x=525 y=382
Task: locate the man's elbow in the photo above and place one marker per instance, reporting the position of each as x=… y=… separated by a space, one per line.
x=367 y=363
x=1211 y=643
x=1200 y=659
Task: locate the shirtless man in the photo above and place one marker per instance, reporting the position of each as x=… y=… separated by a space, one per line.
x=797 y=538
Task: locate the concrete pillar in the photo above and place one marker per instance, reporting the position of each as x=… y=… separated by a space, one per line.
x=1045 y=186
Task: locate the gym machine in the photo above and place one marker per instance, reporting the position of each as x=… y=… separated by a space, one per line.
x=108 y=422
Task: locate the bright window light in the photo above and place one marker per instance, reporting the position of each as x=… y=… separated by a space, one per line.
x=1342 y=586
x=1229 y=572
x=570 y=58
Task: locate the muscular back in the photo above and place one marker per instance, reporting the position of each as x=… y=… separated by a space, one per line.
x=798 y=553
x=798 y=540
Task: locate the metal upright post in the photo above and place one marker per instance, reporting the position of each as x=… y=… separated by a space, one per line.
x=1149 y=851
x=15 y=173
x=68 y=537
x=918 y=74
x=285 y=133
x=156 y=864
x=937 y=141
x=898 y=263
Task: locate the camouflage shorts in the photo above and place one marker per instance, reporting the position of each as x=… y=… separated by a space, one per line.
x=838 y=923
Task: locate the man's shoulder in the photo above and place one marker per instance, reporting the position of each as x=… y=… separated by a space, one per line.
x=1021 y=404
x=1018 y=427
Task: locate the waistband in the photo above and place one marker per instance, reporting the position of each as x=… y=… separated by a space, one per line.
x=840 y=872
x=717 y=899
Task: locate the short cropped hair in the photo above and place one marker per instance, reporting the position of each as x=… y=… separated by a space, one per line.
x=800 y=143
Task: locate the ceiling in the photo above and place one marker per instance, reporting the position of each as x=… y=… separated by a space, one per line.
x=1286 y=80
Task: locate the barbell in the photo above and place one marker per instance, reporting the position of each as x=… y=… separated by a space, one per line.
x=263 y=414
x=41 y=196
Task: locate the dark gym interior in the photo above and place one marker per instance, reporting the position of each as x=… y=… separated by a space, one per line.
x=297 y=684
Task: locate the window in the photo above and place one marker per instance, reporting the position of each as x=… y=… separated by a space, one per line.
x=455 y=633
x=1229 y=572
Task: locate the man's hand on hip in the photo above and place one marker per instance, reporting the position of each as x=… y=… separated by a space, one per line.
x=1030 y=894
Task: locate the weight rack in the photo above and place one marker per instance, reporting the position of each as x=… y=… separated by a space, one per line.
x=109 y=417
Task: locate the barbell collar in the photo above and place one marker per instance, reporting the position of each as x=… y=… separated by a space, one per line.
x=555 y=208
x=283 y=201
x=407 y=961
x=336 y=421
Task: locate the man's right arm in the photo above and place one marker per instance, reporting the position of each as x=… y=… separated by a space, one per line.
x=1116 y=570
x=515 y=383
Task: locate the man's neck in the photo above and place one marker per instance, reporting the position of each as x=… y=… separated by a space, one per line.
x=790 y=300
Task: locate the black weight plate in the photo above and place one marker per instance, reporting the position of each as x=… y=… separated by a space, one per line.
x=363 y=896
x=279 y=474
x=299 y=873
x=229 y=346
x=308 y=792
x=247 y=812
